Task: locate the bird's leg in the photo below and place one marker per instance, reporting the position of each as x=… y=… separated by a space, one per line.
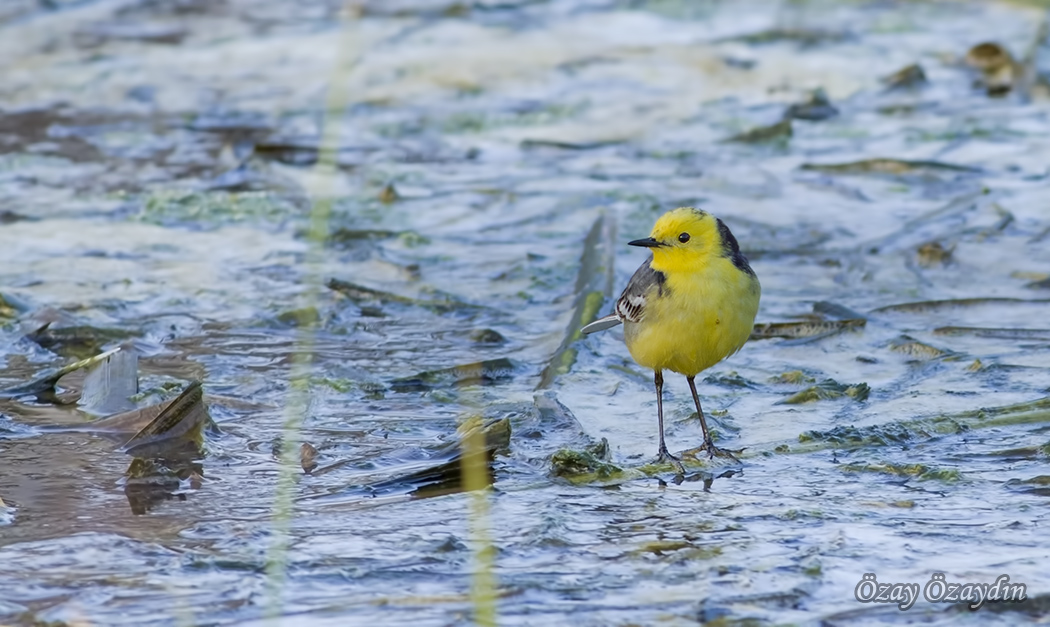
x=664 y=454
x=709 y=444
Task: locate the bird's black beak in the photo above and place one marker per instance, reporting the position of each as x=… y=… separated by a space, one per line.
x=647 y=243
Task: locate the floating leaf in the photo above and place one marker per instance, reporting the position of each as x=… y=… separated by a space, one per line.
x=178 y=427
x=733 y=380
x=997 y=66
x=804 y=329
x=835 y=311
x=77 y=341
x=937 y=305
x=308 y=457
x=478 y=373
x=361 y=294
x=815 y=108
x=914 y=348
x=1038 y=485
x=778 y=132
x=46 y=382
x=388 y=194
x=988 y=57
x=934 y=253
x=996 y=333
x=565 y=145
x=110 y=383
x=908 y=77
x=1025 y=452
x=487 y=336
x=444 y=475
x=343 y=235
x=803 y=36
x=886 y=166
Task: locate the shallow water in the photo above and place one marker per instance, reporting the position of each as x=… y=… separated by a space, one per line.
x=156 y=182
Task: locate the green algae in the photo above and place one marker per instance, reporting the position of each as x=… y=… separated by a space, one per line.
x=793 y=377
x=858 y=437
x=827 y=390
x=582 y=467
x=917 y=471
x=922 y=429
x=215 y=209
x=587 y=465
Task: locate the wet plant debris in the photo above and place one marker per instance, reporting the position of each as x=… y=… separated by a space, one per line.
x=827 y=390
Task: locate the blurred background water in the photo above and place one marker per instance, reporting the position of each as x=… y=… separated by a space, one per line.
x=159 y=167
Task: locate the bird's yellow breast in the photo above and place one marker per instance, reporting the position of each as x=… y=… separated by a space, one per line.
x=705 y=314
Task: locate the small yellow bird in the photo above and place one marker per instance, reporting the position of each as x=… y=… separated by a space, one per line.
x=688 y=307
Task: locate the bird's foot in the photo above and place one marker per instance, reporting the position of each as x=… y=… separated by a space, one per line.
x=713 y=450
x=665 y=456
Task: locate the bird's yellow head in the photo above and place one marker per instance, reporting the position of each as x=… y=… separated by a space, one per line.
x=686 y=238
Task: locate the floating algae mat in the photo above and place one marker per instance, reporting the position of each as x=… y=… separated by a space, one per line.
x=372 y=233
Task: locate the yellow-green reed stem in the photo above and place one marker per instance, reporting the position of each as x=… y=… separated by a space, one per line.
x=298 y=399
x=476 y=483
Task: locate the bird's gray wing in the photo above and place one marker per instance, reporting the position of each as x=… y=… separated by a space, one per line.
x=630 y=307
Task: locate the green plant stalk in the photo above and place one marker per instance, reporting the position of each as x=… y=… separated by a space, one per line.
x=298 y=399
x=476 y=483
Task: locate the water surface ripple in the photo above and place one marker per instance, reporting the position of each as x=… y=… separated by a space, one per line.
x=156 y=178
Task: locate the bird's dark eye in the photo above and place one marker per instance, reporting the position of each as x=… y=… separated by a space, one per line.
x=684 y=237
